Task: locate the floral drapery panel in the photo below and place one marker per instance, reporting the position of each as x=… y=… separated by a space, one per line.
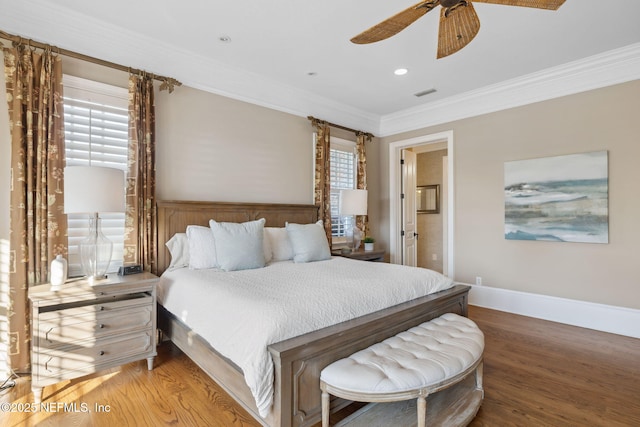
x=38 y=224
x=140 y=218
x=362 y=221
x=322 y=184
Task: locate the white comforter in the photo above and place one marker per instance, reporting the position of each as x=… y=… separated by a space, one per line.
x=241 y=312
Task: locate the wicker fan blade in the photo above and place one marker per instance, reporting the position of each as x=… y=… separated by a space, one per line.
x=539 y=4
x=395 y=24
x=457 y=29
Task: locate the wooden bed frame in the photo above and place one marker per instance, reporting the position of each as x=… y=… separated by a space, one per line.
x=298 y=361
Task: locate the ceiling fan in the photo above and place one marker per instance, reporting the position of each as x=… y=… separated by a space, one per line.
x=459 y=22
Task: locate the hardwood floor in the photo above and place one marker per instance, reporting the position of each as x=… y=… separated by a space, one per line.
x=536 y=373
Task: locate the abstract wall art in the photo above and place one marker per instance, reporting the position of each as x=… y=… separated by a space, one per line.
x=562 y=198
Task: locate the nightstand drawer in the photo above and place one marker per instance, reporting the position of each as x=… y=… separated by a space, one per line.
x=64 y=311
x=88 y=356
x=60 y=330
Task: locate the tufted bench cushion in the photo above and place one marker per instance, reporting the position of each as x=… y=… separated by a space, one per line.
x=414 y=363
x=422 y=356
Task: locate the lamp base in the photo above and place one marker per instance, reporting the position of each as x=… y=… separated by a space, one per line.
x=95 y=251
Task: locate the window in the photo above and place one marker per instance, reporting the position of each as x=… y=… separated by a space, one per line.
x=343 y=177
x=96 y=127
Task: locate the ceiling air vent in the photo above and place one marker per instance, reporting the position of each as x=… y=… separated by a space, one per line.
x=424 y=92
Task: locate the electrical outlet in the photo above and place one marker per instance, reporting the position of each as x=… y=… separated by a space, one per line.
x=434 y=257
x=478 y=281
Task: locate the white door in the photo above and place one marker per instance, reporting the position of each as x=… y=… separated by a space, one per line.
x=409 y=219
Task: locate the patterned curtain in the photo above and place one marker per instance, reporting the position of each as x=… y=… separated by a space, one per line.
x=322 y=184
x=140 y=217
x=38 y=224
x=362 y=221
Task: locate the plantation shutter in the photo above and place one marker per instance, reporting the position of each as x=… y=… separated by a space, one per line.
x=343 y=177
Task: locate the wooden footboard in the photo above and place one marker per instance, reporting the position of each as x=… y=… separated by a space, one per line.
x=298 y=361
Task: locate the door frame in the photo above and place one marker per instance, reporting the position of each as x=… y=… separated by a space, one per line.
x=395 y=218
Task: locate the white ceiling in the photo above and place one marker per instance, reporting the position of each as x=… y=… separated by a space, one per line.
x=275 y=45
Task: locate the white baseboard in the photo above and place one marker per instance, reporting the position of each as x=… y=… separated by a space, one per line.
x=601 y=317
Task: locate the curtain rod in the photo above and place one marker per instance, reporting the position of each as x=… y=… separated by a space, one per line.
x=168 y=83
x=322 y=122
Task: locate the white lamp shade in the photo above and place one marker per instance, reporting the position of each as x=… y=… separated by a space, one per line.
x=353 y=202
x=90 y=189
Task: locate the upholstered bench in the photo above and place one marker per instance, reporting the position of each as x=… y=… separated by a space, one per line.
x=413 y=364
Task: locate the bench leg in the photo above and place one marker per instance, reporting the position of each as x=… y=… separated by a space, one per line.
x=479 y=370
x=325 y=409
x=422 y=411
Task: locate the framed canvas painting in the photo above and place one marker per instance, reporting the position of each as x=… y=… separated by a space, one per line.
x=562 y=198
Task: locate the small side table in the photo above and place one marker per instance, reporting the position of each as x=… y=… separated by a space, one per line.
x=376 y=255
x=80 y=329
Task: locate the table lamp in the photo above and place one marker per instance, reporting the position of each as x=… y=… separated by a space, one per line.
x=353 y=202
x=91 y=190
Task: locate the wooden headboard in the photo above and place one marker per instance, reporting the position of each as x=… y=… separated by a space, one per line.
x=174 y=216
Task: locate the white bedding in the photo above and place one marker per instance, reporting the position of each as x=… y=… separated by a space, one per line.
x=241 y=312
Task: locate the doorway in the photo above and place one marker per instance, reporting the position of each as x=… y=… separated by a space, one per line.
x=396 y=240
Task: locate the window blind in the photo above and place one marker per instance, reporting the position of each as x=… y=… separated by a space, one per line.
x=342 y=177
x=96 y=134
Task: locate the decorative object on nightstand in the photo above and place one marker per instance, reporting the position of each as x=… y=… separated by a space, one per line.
x=353 y=202
x=58 y=272
x=94 y=189
x=368 y=243
x=87 y=327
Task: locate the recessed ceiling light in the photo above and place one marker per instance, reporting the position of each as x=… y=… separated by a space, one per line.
x=400 y=71
x=225 y=39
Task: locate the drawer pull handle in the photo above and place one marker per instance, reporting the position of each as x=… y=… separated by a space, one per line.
x=101 y=326
x=101 y=353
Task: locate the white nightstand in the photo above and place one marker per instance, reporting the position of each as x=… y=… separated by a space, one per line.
x=81 y=329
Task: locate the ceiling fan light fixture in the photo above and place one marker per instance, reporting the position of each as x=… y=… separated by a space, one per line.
x=401 y=71
x=459 y=22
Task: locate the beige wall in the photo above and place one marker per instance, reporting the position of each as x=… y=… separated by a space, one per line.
x=603 y=119
x=216 y=148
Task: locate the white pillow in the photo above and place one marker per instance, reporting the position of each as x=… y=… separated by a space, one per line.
x=309 y=242
x=202 y=248
x=281 y=248
x=266 y=246
x=239 y=246
x=178 y=247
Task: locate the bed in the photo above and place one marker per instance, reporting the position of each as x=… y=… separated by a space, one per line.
x=297 y=361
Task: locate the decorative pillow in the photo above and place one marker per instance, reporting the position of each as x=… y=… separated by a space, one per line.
x=281 y=248
x=266 y=246
x=202 y=248
x=178 y=247
x=239 y=246
x=309 y=242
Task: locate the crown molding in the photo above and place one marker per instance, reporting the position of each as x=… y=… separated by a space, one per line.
x=605 y=69
x=196 y=71
x=192 y=69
